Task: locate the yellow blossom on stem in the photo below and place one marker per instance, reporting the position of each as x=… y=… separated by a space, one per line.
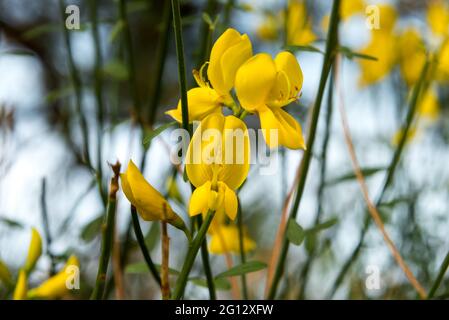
x=58 y=285
x=217 y=164
x=412 y=55
x=150 y=204
x=348 y=8
x=229 y=51
x=34 y=251
x=20 y=292
x=264 y=86
x=299 y=25
x=438 y=17
x=225 y=238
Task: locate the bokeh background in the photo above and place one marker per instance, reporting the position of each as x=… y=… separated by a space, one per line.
x=41 y=143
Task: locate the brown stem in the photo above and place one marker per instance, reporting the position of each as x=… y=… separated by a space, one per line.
x=165 y=287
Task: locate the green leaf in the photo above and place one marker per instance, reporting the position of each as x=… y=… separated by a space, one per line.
x=116 y=30
x=295 y=233
x=220 y=283
x=351 y=54
x=322 y=226
x=116 y=69
x=152 y=237
x=150 y=135
x=142 y=267
x=248 y=267
x=92 y=229
x=40 y=30
x=294 y=48
x=12 y=223
x=351 y=175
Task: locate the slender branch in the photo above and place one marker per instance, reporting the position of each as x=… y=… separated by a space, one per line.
x=143 y=247
x=371 y=207
x=242 y=249
x=108 y=235
x=417 y=90
x=181 y=64
x=436 y=284
x=45 y=222
x=206 y=264
x=191 y=254
x=331 y=44
x=165 y=287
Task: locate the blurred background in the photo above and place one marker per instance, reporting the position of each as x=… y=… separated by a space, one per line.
x=52 y=81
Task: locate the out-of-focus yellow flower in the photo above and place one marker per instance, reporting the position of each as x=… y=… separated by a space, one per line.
x=442 y=73
x=228 y=53
x=348 y=8
x=34 y=251
x=438 y=17
x=217 y=164
x=264 y=85
x=269 y=29
x=387 y=18
x=411 y=135
x=412 y=55
x=20 y=292
x=150 y=204
x=299 y=25
x=5 y=275
x=429 y=106
x=382 y=46
x=225 y=238
x=58 y=285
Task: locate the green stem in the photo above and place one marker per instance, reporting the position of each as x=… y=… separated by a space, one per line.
x=242 y=249
x=331 y=45
x=160 y=63
x=206 y=264
x=227 y=13
x=190 y=258
x=388 y=179
x=98 y=86
x=181 y=64
x=46 y=224
x=143 y=247
x=76 y=82
x=206 y=34
x=440 y=277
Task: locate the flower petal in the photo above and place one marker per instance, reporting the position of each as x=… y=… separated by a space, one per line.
x=199 y=201
x=254 y=81
x=288 y=129
x=286 y=62
x=230 y=203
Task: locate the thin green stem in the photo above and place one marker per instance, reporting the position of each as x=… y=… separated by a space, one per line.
x=206 y=34
x=107 y=237
x=436 y=284
x=417 y=90
x=98 y=87
x=331 y=45
x=76 y=82
x=181 y=64
x=46 y=224
x=227 y=13
x=242 y=249
x=191 y=255
x=143 y=247
x=206 y=264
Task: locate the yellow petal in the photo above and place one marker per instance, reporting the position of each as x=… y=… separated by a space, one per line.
x=443 y=63
x=226 y=239
x=230 y=203
x=228 y=53
x=438 y=17
x=299 y=27
x=284 y=125
x=412 y=56
x=150 y=204
x=348 y=8
x=254 y=81
x=34 y=251
x=199 y=201
x=388 y=16
x=429 y=106
x=20 y=292
x=201 y=102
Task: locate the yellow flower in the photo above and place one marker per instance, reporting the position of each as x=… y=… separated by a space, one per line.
x=225 y=238
x=217 y=165
x=299 y=26
x=348 y=8
x=34 y=251
x=412 y=55
x=383 y=47
x=56 y=286
x=150 y=204
x=229 y=51
x=429 y=106
x=438 y=17
x=20 y=292
x=264 y=85
x=269 y=29
x=387 y=18
x=442 y=72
